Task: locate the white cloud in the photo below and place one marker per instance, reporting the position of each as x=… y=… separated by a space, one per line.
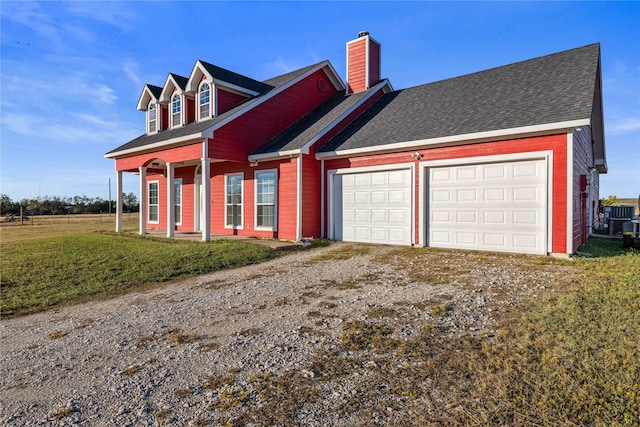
x=282 y=66
x=623 y=125
x=71 y=129
x=131 y=70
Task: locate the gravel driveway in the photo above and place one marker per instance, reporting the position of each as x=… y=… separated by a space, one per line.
x=200 y=351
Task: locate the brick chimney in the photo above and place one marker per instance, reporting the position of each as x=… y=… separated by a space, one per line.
x=363 y=63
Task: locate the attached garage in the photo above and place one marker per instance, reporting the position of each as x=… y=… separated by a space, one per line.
x=494 y=206
x=373 y=206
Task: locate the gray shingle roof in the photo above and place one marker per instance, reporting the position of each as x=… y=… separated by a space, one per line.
x=236 y=79
x=196 y=128
x=305 y=129
x=548 y=89
x=155 y=90
x=181 y=81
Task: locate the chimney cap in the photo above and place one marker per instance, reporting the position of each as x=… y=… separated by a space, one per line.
x=363 y=33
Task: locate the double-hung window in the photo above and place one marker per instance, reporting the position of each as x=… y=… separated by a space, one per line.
x=153 y=117
x=266 y=197
x=177 y=201
x=205 y=101
x=154 y=201
x=233 y=201
x=176 y=111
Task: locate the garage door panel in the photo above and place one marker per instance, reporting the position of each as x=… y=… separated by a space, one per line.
x=495 y=217
x=466 y=217
x=466 y=195
x=497 y=206
x=379 y=207
x=466 y=174
x=361 y=198
x=441 y=216
x=494 y=195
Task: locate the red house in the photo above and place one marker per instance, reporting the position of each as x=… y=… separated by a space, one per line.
x=506 y=159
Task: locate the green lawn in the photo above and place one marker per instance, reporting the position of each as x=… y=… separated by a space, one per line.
x=39 y=273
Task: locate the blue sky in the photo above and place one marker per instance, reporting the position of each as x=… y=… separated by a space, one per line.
x=72 y=72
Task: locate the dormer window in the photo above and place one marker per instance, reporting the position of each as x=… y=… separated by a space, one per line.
x=176 y=111
x=153 y=117
x=205 y=101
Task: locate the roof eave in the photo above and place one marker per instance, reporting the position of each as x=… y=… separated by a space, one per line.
x=194 y=137
x=493 y=135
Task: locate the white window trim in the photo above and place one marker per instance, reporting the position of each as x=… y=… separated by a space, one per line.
x=211 y=111
x=155 y=104
x=255 y=201
x=226 y=178
x=149 y=202
x=179 y=113
x=179 y=182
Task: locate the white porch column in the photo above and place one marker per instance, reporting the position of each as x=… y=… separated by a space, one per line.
x=118 y=201
x=206 y=203
x=171 y=212
x=143 y=200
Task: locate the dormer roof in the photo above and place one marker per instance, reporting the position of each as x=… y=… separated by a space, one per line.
x=174 y=81
x=221 y=76
x=205 y=129
x=149 y=93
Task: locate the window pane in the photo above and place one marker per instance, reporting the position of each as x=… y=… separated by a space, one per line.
x=153 y=202
x=177 y=187
x=205 y=96
x=234 y=200
x=152 y=118
x=265 y=199
x=265 y=215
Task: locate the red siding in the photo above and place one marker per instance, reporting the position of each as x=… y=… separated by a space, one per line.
x=310 y=195
x=556 y=143
x=227 y=100
x=164 y=118
x=172 y=155
x=286 y=208
x=358 y=67
x=187 y=175
x=255 y=128
x=356 y=64
x=191 y=110
x=374 y=63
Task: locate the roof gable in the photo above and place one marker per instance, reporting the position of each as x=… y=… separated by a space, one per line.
x=173 y=82
x=149 y=93
x=224 y=77
x=550 y=89
x=204 y=129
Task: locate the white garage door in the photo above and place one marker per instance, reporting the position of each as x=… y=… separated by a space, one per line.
x=373 y=207
x=493 y=206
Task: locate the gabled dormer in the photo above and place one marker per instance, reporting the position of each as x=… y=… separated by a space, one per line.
x=217 y=90
x=150 y=103
x=179 y=103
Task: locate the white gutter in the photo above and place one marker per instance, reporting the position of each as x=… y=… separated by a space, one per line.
x=460 y=139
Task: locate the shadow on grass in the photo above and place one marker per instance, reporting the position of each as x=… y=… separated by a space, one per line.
x=602 y=247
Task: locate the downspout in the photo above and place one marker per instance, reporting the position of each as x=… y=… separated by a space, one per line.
x=322 y=198
x=299 y=199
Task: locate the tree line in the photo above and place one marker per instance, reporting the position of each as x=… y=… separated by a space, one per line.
x=55 y=205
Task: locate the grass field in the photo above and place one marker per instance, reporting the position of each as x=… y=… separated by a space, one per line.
x=571 y=358
x=62 y=260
